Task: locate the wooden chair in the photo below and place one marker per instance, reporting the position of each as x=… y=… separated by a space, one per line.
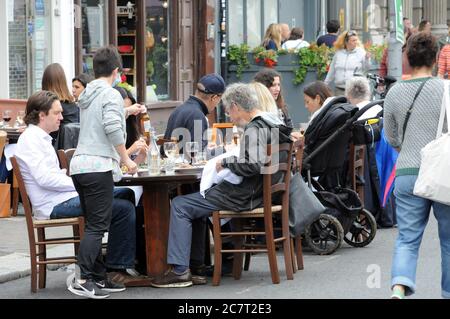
x=65 y=157
x=37 y=238
x=356 y=169
x=296 y=243
x=15 y=187
x=267 y=212
x=219 y=126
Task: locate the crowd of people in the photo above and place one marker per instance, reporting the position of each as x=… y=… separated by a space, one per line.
x=108 y=114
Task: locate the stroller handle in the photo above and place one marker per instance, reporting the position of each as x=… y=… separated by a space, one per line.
x=339 y=131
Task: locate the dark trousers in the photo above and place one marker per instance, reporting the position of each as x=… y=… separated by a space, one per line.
x=96 y=198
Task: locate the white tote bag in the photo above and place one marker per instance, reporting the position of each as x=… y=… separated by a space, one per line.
x=433 y=182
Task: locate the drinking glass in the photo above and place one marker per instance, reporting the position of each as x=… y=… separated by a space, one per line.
x=6 y=117
x=191 y=150
x=20 y=119
x=171 y=151
x=303 y=127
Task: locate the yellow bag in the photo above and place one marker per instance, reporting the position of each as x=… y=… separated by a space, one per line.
x=5 y=200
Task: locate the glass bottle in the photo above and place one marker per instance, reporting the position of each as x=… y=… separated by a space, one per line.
x=146 y=126
x=153 y=155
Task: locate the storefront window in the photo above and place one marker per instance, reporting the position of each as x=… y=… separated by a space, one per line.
x=40 y=40
x=157 y=49
x=236 y=22
x=93 y=15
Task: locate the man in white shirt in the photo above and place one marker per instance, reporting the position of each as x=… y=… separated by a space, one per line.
x=52 y=193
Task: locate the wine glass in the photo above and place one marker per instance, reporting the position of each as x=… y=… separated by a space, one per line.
x=6 y=117
x=20 y=119
x=171 y=151
x=191 y=149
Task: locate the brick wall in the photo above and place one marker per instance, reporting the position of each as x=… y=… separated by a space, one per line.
x=18 y=84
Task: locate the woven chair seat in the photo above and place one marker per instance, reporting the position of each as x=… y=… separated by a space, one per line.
x=40 y=222
x=257 y=211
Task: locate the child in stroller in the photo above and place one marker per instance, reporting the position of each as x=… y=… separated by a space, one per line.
x=325 y=166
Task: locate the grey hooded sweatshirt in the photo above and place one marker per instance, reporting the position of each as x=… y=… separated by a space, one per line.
x=102 y=121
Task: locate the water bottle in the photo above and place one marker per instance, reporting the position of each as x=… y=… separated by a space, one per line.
x=153 y=155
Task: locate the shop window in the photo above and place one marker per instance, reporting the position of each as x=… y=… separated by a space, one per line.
x=94 y=22
x=248 y=20
x=157 y=50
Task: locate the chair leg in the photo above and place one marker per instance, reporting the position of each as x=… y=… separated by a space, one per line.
x=298 y=242
x=287 y=251
x=238 y=257
x=248 y=256
x=42 y=256
x=33 y=275
x=293 y=256
x=15 y=191
x=217 y=250
x=76 y=233
x=271 y=252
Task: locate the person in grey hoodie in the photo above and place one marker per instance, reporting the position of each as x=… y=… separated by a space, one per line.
x=348 y=60
x=95 y=166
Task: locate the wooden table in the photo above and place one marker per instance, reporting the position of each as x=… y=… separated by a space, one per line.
x=157 y=213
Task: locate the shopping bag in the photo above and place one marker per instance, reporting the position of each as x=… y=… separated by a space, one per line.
x=433 y=182
x=304 y=206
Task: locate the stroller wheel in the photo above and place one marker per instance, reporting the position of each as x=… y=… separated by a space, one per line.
x=362 y=231
x=324 y=235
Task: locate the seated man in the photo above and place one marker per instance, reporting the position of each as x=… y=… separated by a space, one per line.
x=51 y=191
x=241 y=103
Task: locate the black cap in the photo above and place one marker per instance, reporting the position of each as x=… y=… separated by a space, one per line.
x=211 y=84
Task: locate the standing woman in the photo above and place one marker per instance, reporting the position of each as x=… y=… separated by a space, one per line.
x=349 y=59
x=271 y=79
x=272 y=38
x=413 y=212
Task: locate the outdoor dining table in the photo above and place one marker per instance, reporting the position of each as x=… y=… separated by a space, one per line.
x=156 y=204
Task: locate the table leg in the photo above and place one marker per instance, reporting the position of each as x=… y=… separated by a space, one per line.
x=156 y=221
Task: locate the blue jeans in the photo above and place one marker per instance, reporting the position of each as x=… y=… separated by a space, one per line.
x=121 y=248
x=412 y=217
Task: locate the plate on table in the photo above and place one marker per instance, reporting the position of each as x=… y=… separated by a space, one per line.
x=189 y=168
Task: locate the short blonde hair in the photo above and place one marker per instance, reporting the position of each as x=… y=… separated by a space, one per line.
x=266 y=102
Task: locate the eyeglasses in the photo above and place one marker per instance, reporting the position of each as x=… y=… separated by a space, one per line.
x=350 y=34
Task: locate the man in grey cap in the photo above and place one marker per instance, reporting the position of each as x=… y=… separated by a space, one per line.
x=191 y=115
x=207 y=96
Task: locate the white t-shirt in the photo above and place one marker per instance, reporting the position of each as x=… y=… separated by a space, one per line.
x=295 y=44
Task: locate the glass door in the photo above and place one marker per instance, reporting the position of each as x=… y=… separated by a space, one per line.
x=39 y=41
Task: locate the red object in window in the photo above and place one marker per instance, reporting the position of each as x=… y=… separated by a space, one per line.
x=257 y=60
x=123 y=78
x=125 y=48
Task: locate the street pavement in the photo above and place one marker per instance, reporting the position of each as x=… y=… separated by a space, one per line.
x=350 y=273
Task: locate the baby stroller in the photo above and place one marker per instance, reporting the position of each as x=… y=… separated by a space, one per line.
x=326 y=155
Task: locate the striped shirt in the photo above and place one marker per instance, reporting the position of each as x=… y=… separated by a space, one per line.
x=444 y=61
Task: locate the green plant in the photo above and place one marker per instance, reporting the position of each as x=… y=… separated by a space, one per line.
x=376 y=50
x=269 y=57
x=312 y=57
x=237 y=54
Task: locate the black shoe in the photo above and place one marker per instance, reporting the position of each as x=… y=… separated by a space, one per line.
x=110 y=286
x=227 y=269
x=87 y=289
x=172 y=280
x=199 y=275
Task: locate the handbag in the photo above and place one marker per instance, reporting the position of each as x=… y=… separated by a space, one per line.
x=433 y=182
x=304 y=206
x=368 y=131
x=5 y=200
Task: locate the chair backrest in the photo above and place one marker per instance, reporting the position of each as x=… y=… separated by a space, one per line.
x=25 y=200
x=65 y=156
x=219 y=126
x=282 y=165
x=2 y=142
x=299 y=147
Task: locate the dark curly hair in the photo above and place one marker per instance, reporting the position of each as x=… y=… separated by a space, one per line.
x=422 y=50
x=266 y=77
x=40 y=101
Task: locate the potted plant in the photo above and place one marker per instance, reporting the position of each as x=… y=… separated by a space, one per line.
x=312 y=57
x=268 y=58
x=238 y=54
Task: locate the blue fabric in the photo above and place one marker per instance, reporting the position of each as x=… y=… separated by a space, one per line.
x=386 y=157
x=271 y=46
x=412 y=217
x=4 y=173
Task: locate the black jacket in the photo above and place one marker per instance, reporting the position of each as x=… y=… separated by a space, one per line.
x=333 y=116
x=248 y=194
x=185 y=116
